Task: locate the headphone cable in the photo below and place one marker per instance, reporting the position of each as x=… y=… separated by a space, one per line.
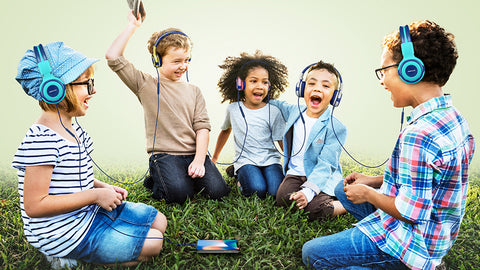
x=244 y=138
x=153 y=144
x=304 y=131
x=344 y=149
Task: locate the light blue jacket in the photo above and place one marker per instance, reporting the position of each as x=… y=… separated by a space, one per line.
x=322 y=149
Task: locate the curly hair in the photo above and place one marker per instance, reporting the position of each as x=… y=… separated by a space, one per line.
x=432 y=44
x=240 y=67
x=173 y=40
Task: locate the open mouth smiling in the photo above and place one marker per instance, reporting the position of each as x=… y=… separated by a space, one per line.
x=258 y=94
x=315 y=100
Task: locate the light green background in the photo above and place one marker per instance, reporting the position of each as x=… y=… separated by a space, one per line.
x=347 y=33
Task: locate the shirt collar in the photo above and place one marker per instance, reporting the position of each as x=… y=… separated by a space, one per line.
x=326 y=114
x=428 y=106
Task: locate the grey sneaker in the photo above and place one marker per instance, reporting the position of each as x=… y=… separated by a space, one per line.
x=61 y=263
x=441 y=266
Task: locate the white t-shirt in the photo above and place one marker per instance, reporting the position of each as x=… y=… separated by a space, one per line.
x=300 y=136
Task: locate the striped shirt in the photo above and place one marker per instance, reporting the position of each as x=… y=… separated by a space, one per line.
x=428 y=176
x=72 y=172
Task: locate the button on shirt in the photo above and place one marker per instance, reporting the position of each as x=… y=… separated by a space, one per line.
x=428 y=176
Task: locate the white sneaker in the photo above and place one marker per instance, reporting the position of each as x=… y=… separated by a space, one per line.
x=61 y=263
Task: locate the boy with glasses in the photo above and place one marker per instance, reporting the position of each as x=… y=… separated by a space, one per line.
x=414 y=218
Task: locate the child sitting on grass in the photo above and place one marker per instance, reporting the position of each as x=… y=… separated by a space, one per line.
x=413 y=219
x=248 y=83
x=66 y=212
x=312 y=152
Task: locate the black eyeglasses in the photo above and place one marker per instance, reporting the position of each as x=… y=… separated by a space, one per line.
x=89 y=83
x=380 y=72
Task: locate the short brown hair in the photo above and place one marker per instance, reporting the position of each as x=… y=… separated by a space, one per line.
x=328 y=67
x=173 y=40
x=432 y=44
x=69 y=103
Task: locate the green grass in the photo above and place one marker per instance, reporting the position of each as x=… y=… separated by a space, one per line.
x=269 y=237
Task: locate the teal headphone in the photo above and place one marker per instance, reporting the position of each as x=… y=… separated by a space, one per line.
x=52 y=89
x=411 y=69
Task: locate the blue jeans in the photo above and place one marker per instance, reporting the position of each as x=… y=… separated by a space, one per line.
x=350 y=249
x=260 y=180
x=359 y=211
x=116 y=236
x=172 y=182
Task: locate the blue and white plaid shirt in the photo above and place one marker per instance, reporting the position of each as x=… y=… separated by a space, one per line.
x=428 y=176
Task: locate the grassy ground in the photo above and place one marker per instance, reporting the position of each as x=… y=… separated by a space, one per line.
x=269 y=237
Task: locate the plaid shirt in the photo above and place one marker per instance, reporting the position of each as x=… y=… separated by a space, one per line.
x=428 y=176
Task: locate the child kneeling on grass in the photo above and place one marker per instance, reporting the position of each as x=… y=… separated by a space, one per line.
x=66 y=212
x=414 y=219
x=177 y=125
x=312 y=152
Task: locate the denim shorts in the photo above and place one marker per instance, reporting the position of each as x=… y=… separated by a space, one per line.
x=116 y=236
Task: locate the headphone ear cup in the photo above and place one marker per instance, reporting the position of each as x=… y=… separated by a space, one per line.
x=155 y=61
x=52 y=90
x=300 y=88
x=336 y=98
x=240 y=84
x=411 y=70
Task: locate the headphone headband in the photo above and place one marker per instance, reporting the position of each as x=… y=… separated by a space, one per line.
x=157 y=59
x=337 y=94
x=52 y=89
x=39 y=53
x=411 y=69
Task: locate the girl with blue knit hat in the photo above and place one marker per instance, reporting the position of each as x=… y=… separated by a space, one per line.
x=66 y=212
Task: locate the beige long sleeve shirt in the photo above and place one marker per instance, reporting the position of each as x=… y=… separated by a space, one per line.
x=182 y=109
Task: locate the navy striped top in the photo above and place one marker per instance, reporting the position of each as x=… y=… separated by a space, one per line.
x=72 y=172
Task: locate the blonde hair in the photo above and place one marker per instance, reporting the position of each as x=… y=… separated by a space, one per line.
x=172 y=40
x=69 y=103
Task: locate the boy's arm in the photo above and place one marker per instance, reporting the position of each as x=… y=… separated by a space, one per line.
x=407 y=196
x=117 y=48
x=361 y=193
x=197 y=167
x=360 y=178
x=284 y=107
x=221 y=140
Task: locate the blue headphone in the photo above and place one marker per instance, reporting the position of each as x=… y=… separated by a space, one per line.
x=52 y=89
x=411 y=69
x=337 y=94
x=239 y=83
x=157 y=59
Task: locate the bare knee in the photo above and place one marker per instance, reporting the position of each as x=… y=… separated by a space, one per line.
x=338 y=208
x=152 y=246
x=160 y=223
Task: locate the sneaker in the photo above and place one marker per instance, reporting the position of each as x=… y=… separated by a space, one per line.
x=148 y=182
x=441 y=266
x=61 y=263
x=230 y=171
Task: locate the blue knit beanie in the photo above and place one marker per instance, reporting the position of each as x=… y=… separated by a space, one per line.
x=66 y=63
